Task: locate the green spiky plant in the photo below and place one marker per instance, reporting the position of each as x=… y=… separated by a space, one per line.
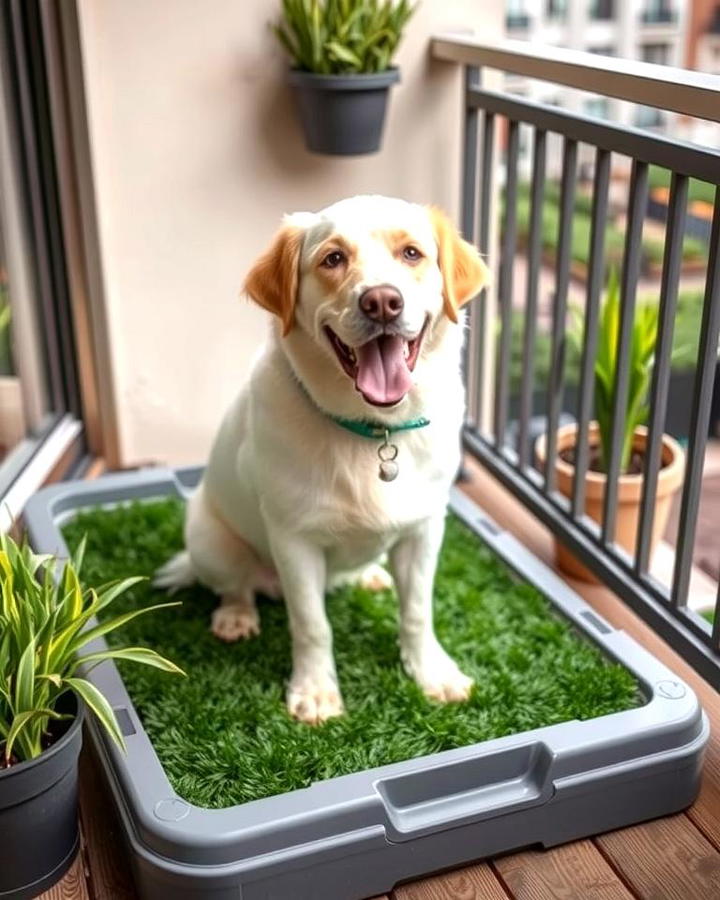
x=342 y=37
x=642 y=356
x=43 y=634
x=6 y=366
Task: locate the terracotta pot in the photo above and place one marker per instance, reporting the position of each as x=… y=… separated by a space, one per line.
x=12 y=415
x=629 y=492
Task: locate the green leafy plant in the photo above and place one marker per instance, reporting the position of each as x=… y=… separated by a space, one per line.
x=6 y=367
x=43 y=632
x=642 y=355
x=341 y=37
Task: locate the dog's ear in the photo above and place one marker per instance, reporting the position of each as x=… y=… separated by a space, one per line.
x=464 y=273
x=274 y=279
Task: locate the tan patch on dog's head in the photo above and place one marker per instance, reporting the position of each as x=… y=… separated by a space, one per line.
x=274 y=279
x=463 y=271
x=399 y=241
x=333 y=277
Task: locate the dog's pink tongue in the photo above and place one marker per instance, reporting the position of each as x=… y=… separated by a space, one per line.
x=383 y=377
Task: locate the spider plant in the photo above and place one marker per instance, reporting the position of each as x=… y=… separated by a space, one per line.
x=341 y=37
x=45 y=630
x=640 y=365
x=642 y=359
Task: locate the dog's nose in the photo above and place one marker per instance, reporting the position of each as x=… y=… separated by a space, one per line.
x=382 y=303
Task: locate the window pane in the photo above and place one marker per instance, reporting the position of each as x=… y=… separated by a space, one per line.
x=23 y=399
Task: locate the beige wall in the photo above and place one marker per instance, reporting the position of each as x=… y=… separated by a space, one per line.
x=196 y=155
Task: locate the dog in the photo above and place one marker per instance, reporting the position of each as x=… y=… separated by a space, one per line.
x=341 y=448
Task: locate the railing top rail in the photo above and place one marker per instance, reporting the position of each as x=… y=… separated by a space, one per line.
x=665 y=87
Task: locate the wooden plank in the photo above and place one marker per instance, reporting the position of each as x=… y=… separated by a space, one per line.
x=110 y=877
x=477 y=882
x=96 y=468
x=667 y=858
x=576 y=870
x=72 y=887
x=510 y=514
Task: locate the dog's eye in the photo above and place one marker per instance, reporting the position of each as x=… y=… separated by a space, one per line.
x=411 y=253
x=334 y=259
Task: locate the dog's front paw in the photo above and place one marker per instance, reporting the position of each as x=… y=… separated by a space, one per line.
x=313 y=701
x=451 y=687
x=234 y=621
x=438 y=675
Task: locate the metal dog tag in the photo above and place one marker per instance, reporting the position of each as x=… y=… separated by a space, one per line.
x=387 y=453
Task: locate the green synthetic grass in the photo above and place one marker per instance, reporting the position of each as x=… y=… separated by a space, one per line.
x=223 y=735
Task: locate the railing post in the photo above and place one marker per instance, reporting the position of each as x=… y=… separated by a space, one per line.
x=468 y=216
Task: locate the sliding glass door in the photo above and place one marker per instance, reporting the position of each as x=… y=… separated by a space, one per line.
x=41 y=429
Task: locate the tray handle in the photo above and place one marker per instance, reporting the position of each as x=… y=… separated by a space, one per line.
x=441 y=797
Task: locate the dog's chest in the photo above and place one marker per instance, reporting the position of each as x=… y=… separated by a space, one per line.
x=345 y=501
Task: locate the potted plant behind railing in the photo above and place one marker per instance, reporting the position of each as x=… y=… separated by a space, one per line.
x=12 y=413
x=341 y=52
x=46 y=625
x=630 y=486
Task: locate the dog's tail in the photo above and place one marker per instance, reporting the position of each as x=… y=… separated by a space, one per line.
x=177 y=573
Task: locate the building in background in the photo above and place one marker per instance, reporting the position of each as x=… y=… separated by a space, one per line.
x=683 y=33
x=650 y=30
x=702 y=52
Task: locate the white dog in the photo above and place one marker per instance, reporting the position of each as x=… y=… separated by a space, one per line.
x=343 y=444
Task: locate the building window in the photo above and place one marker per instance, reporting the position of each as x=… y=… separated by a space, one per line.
x=602 y=9
x=714 y=27
x=557 y=9
x=648 y=117
x=656 y=53
x=657 y=12
x=516 y=16
x=606 y=50
x=596 y=107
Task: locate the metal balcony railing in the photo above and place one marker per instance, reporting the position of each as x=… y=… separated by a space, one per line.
x=487 y=114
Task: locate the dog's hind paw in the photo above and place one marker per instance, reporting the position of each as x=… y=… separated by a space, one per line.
x=233 y=621
x=314 y=702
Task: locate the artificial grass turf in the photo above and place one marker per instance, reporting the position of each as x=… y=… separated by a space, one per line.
x=222 y=733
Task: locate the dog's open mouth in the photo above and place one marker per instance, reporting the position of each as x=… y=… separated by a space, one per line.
x=381 y=368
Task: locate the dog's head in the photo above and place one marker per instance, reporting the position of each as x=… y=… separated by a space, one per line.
x=371 y=281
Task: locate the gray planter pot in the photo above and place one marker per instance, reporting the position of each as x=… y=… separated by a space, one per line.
x=38 y=814
x=342 y=115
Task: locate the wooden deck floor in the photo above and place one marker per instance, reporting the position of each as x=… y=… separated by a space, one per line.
x=675 y=858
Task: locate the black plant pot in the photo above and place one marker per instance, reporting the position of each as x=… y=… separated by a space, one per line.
x=342 y=115
x=38 y=814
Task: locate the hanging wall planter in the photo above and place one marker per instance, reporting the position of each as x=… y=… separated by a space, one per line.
x=342 y=115
x=342 y=68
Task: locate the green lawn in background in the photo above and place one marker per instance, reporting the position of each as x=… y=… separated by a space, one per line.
x=223 y=735
x=693 y=249
x=697 y=190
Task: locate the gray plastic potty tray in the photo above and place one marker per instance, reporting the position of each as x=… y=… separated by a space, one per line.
x=358 y=835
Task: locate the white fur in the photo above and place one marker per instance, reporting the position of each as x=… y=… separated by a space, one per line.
x=287 y=490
